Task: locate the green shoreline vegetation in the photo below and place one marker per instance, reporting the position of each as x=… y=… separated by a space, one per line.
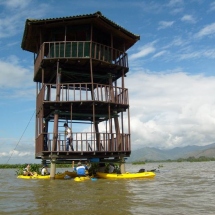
x=189 y=159
x=39 y=166
x=36 y=167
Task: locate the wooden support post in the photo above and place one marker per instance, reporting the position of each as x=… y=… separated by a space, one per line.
x=122 y=165
x=118 y=136
x=98 y=147
x=53 y=167
x=56 y=114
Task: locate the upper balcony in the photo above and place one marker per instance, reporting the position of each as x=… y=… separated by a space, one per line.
x=82 y=95
x=78 y=50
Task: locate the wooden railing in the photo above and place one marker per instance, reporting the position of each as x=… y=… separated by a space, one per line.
x=83 y=92
x=86 y=142
x=80 y=49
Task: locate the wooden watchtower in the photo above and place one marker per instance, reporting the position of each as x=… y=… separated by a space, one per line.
x=80 y=65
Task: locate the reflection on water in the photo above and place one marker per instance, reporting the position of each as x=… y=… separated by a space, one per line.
x=179 y=188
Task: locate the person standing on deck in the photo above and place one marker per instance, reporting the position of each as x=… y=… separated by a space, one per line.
x=68 y=132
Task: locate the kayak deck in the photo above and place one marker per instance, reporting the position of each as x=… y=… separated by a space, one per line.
x=80 y=178
x=126 y=175
x=57 y=176
x=68 y=175
x=34 y=177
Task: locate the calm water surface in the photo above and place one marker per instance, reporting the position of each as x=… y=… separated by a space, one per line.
x=179 y=188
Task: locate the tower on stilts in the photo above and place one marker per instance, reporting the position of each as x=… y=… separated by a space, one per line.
x=80 y=65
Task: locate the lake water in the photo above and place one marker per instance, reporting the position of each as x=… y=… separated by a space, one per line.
x=180 y=188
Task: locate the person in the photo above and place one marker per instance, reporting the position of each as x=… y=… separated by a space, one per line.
x=27 y=171
x=111 y=168
x=68 y=132
x=141 y=170
x=80 y=169
x=87 y=164
x=44 y=170
x=101 y=167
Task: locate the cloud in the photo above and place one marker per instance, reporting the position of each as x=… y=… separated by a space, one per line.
x=9 y=26
x=188 y=19
x=171 y=109
x=174 y=3
x=176 y=10
x=206 y=53
x=16 y=153
x=177 y=42
x=212 y=6
x=167 y=110
x=159 y=54
x=13 y=75
x=15 y=80
x=143 y=51
x=165 y=24
x=12 y=152
x=176 y=6
x=15 y=13
x=11 y=4
x=206 y=31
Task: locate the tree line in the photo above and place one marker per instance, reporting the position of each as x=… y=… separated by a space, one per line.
x=189 y=159
x=38 y=166
x=15 y=166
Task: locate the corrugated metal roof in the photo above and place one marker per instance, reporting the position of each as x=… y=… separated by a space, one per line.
x=98 y=13
x=32 y=22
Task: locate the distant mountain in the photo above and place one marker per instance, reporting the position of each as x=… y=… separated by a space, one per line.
x=148 y=153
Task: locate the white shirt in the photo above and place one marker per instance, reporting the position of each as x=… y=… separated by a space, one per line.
x=68 y=132
x=44 y=171
x=111 y=168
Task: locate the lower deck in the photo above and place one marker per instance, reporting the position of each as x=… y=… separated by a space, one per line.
x=84 y=145
x=68 y=157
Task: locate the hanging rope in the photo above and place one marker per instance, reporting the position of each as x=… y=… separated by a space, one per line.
x=21 y=137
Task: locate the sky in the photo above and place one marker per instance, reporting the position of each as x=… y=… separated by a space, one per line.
x=171 y=79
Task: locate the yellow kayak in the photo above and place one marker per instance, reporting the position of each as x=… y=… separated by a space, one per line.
x=66 y=173
x=57 y=176
x=126 y=175
x=71 y=174
x=80 y=178
x=34 y=176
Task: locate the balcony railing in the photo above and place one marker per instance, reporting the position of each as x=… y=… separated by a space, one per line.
x=80 y=49
x=85 y=142
x=83 y=92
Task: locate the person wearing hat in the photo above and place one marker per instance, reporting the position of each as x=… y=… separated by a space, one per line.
x=80 y=169
x=44 y=170
x=68 y=132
